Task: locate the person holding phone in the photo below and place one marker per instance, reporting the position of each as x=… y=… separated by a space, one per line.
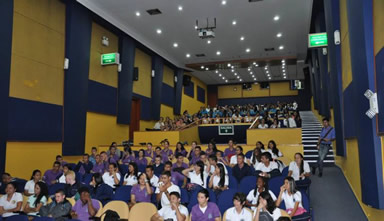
x=112 y=177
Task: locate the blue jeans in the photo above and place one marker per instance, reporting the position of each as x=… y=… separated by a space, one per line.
x=323 y=151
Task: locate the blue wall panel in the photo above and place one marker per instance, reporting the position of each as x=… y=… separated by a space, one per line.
x=349 y=112
x=380 y=88
x=168 y=95
x=102 y=98
x=190 y=90
x=34 y=121
x=145 y=108
x=200 y=94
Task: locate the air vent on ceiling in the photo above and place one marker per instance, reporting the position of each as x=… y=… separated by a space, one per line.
x=269 y=49
x=255 y=0
x=200 y=55
x=155 y=11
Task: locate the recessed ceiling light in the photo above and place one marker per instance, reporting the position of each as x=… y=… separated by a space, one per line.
x=238 y=77
x=276 y=18
x=279 y=35
x=223 y=2
x=220 y=75
x=233 y=70
x=158 y=31
x=266 y=67
x=257 y=65
x=268 y=75
x=283 y=61
x=234 y=22
x=248 y=50
x=251 y=72
x=283 y=70
x=235 y=74
x=196 y=27
x=254 y=63
x=209 y=42
x=249 y=69
x=218 y=53
x=229 y=65
x=269 y=78
x=285 y=77
x=202 y=67
x=223 y=78
x=253 y=76
x=138 y=14
x=241 y=79
x=281 y=47
x=207 y=69
x=226 y=81
x=254 y=79
x=180 y=8
x=232 y=67
x=216 y=71
x=267 y=72
x=242 y=38
x=187 y=55
x=175 y=45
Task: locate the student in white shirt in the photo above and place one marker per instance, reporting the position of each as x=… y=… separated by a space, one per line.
x=36 y=201
x=112 y=177
x=266 y=205
x=153 y=179
x=299 y=169
x=29 y=188
x=267 y=165
x=175 y=211
x=253 y=195
x=291 y=197
x=159 y=124
x=233 y=160
x=255 y=158
x=292 y=122
x=131 y=177
x=238 y=212
x=10 y=202
x=263 y=125
x=165 y=188
x=197 y=174
x=272 y=148
x=219 y=180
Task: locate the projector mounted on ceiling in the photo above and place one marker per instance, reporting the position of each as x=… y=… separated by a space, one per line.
x=206 y=32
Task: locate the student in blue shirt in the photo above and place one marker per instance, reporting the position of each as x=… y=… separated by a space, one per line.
x=327 y=135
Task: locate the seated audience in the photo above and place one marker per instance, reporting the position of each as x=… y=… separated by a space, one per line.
x=128 y=156
x=179 y=165
x=113 y=155
x=196 y=156
x=221 y=159
x=266 y=207
x=299 y=169
x=99 y=190
x=230 y=151
x=37 y=200
x=59 y=159
x=291 y=198
x=5 y=179
x=158 y=153
x=85 y=207
x=149 y=151
x=59 y=209
x=255 y=157
x=241 y=169
x=180 y=149
x=112 y=177
x=272 y=149
x=130 y=178
x=263 y=124
x=191 y=153
x=165 y=188
x=142 y=191
x=11 y=202
x=267 y=167
x=213 y=161
x=260 y=145
x=276 y=124
x=61 y=178
x=233 y=161
x=92 y=157
x=141 y=160
x=104 y=159
x=72 y=186
x=84 y=166
x=50 y=175
x=166 y=153
x=29 y=188
x=238 y=212
x=158 y=166
x=153 y=179
x=205 y=210
x=253 y=195
x=175 y=211
x=159 y=124
x=98 y=167
x=219 y=180
x=176 y=177
x=197 y=174
x=211 y=148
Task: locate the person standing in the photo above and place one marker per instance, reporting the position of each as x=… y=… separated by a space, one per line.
x=327 y=135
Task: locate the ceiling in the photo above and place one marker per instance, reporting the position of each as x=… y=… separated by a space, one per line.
x=254 y=21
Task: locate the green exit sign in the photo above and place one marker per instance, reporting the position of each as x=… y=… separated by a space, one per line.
x=226 y=130
x=317 y=40
x=111 y=58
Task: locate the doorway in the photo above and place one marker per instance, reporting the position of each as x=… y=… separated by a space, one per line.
x=135 y=117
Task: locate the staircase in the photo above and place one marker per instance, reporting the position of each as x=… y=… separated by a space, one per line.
x=311 y=128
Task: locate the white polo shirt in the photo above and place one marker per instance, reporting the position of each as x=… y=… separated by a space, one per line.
x=109 y=180
x=272 y=165
x=253 y=199
x=296 y=170
x=167 y=212
x=154 y=181
x=130 y=179
x=196 y=179
x=216 y=180
x=232 y=215
x=16 y=197
x=30 y=187
x=164 y=198
x=274 y=156
x=290 y=200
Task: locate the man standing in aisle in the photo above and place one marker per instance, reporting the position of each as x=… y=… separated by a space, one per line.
x=327 y=135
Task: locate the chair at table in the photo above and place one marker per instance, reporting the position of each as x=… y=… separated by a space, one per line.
x=142 y=211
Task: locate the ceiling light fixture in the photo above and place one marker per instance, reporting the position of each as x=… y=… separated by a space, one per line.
x=220 y=75
x=223 y=2
x=284 y=71
x=234 y=22
x=180 y=8
x=187 y=55
x=216 y=71
x=254 y=63
x=226 y=81
x=158 y=31
x=254 y=79
x=196 y=27
x=241 y=79
x=253 y=76
x=235 y=74
x=223 y=78
x=279 y=35
x=285 y=77
x=138 y=14
x=283 y=61
x=257 y=65
x=207 y=69
x=229 y=65
x=248 y=50
x=249 y=69
x=276 y=18
x=268 y=75
x=269 y=78
x=233 y=70
x=238 y=77
x=266 y=68
x=267 y=72
x=251 y=72
x=209 y=42
x=242 y=38
x=281 y=47
x=175 y=45
x=218 y=53
x=202 y=67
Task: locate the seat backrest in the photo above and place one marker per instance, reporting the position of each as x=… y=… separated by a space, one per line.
x=142 y=211
x=285 y=171
x=141 y=168
x=53 y=188
x=225 y=200
x=284 y=213
x=120 y=207
x=249 y=154
x=123 y=169
x=184 y=196
x=305 y=201
x=87 y=178
x=123 y=193
x=99 y=212
x=18 y=218
x=25 y=201
x=232 y=182
x=247 y=184
x=275 y=183
x=71 y=200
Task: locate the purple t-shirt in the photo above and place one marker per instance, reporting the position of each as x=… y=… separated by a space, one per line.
x=184 y=165
x=129 y=159
x=148 y=153
x=210 y=213
x=98 y=168
x=141 y=195
x=113 y=159
x=176 y=177
x=49 y=176
x=194 y=159
x=82 y=209
x=165 y=154
x=183 y=152
x=228 y=152
x=143 y=161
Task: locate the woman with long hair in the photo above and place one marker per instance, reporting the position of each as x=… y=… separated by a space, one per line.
x=141 y=160
x=180 y=149
x=299 y=170
x=130 y=178
x=260 y=145
x=219 y=181
x=29 y=188
x=253 y=195
x=197 y=175
x=255 y=157
x=128 y=156
x=272 y=148
x=36 y=201
x=142 y=191
x=266 y=205
x=291 y=197
x=212 y=149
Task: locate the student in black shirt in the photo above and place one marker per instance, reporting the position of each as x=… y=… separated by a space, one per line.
x=241 y=169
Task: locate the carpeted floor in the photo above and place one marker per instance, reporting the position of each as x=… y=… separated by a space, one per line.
x=332 y=198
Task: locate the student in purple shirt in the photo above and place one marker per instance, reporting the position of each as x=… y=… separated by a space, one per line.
x=196 y=156
x=99 y=166
x=142 y=191
x=166 y=153
x=204 y=210
x=84 y=166
x=50 y=175
x=212 y=149
x=191 y=153
x=85 y=207
x=128 y=157
x=230 y=151
x=141 y=160
x=157 y=153
x=92 y=157
x=113 y=156
x=149 y=152
x=176 y=177
x=104 y=159
x=180 y=149
x=179 y=165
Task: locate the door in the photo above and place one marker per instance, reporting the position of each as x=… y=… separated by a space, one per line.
x=135 y=117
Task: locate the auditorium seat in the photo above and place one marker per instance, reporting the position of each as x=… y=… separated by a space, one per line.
x=71 y=200
x=18 y=218
x=247 y=184
x=71 y=166
x=142 y=211
x=142 y=168
x=123 y=193
x=87 y=178
x=53 y=188
x=232 y=182
x=285 y=171
x=225 y=200
x=184 y=196
x=120 y=207
x=249 y=154
x=43 y=219
x=275 y=183
x=123 y=169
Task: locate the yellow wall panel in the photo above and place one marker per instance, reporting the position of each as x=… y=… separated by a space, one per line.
x=281 y=89
x=50 y=13
x=24 y=157
x=291 y=136
x=103 y=130
x=346 y=62
x=146 y=124
x=155 y=137
x=106 y=74
x=229 y=91
x=256 y=91
x=343 y=19
x=166 y=111
x=144 y=63
x=168 y=76
x=378 y=22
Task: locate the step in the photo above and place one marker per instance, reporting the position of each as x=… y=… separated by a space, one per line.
x=315 y=158
x=316 y=155
x=313 y=149
x=312 y=137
